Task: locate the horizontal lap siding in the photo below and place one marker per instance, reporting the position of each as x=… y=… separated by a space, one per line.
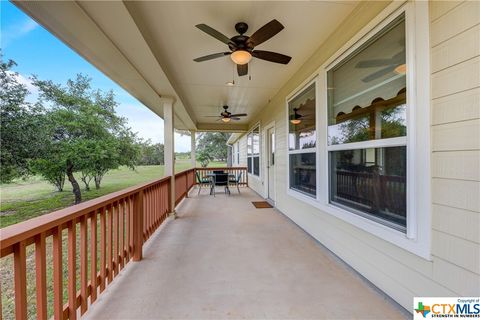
x=455 y=114
x=455 y=66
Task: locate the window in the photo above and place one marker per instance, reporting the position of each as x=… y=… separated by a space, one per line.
x=302 y=140
x=367 y=128
x=253 y=152
x=238 y=153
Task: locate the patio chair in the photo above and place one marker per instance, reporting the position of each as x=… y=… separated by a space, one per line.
x=202 y=181
x=218 y=171
x=236 y=181
x=221 y=179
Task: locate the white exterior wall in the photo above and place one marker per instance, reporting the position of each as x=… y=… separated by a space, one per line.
x=454 y=267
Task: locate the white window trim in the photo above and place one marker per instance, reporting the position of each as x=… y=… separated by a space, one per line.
x=255 y=126
x=417 y=237
x=313 y=80
x=238 y=153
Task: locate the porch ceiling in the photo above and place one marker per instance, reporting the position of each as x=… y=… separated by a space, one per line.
x=148 y=48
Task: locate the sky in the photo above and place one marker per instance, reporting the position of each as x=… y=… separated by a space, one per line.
x=38 y=52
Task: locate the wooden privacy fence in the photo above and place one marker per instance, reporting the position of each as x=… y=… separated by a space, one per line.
x=231 y=170
x=109 y=232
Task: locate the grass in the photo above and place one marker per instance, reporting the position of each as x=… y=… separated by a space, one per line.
x=23 y=200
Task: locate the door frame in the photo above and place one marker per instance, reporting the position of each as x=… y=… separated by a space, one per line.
x=269 y=126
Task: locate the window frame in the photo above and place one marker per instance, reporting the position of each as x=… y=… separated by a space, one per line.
x=249 y=133
x=238 y=152
x=400 y=141
x=297 y=193
x=416 y=239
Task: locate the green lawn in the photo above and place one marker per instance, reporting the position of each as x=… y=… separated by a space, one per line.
x=24 y=200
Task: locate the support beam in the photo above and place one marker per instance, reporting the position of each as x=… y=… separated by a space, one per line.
x=193 y=155
x=169 y=147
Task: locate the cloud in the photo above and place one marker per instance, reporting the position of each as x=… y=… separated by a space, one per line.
x=17 y=30
x=148 y=125
x=27 y=82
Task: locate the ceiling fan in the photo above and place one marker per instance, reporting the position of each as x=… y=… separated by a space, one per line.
x=296 y=118
x=242 y=47
x=396 y=63
x=227 y=116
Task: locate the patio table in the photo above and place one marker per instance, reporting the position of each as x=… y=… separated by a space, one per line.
x=211 y=175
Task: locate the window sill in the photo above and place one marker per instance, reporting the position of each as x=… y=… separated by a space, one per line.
x=379 y=230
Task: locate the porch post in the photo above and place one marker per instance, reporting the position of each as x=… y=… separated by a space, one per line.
x=169 y=148
x=193 y=155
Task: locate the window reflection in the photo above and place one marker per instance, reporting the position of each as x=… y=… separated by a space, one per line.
x=371 y=181
x=367 y=91
x=302 y=173
x=301 y=109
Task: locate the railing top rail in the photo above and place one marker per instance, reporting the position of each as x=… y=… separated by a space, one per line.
x=184 y=171
x=222 y=168
x=25 y=230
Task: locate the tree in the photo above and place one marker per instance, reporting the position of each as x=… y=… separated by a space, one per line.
x=204 y=158
x=214 y=144
x=150 y=154
x=22 y=131
x=84 y=132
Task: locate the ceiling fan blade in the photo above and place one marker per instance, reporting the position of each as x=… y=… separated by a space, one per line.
x=235 y=118
x=214 y=33
x=212 y=116
x=242 y=69
x=238 y=115
x=378 y=74
x=374 y=63
x=265 y=32
x=271 y=56
x=211 y=56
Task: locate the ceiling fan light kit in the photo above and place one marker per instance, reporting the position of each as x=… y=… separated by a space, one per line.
x=401 y=69
x=226 y=120
x=295 y=121
x=241 y=57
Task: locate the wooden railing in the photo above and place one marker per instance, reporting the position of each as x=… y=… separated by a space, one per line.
x=184 y=181
x=109 y=232
x=232 y=170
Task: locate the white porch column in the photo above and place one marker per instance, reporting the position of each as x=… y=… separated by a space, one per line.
x=169 y=148
x=193 y=155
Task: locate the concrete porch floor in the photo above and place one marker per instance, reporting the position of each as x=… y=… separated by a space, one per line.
x=223 y=258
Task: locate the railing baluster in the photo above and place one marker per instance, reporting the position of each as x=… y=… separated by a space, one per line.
x=57 y=273
x=110 y=244
x=20 y=264
x=93 y=257
x=72 y=268
x=138 y=226
x=41 y=276
x=121 y=208
x=83 y=264
x=127 y=229
x=115 y=238
x=103 y=248
x=132 y=224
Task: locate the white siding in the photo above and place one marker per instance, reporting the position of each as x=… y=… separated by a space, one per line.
x=454 y=269
x=455 y=54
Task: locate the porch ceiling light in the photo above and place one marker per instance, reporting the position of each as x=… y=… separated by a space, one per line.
x=295 y=121
x=401 y=69
x=226 y=120
x=241 y=57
